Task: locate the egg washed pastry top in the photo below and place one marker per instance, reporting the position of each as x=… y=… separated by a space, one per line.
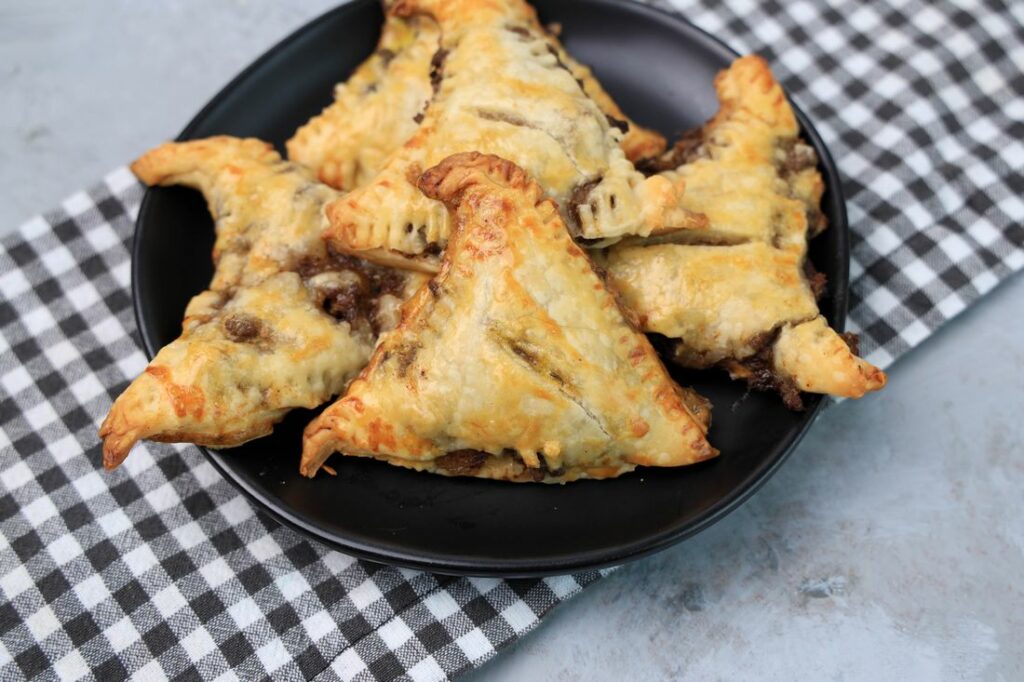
x=502 y=88
x=743 y=295
x=382 y=104
x=375 y=110
x=284 y=323
x=515 y=362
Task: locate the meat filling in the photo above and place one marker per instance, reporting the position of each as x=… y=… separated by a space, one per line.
x=797 y=157
x=468 y=462
x=852 y=342
x=688 y=149
x=349 y=289
x=462 y=462
x=580 y=196
x=759 y=371
x=816 y=280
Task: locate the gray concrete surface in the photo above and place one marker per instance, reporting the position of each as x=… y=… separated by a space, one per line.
x=890 y=546
x=88 y=86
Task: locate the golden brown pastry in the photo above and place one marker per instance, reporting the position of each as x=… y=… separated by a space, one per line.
x=377 y=109
x=742 y=295
x=284 y=323
x=503 y=88
x=515 y=362
x=382 y=104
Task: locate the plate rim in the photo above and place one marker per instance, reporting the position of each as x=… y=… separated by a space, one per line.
x=578 y=561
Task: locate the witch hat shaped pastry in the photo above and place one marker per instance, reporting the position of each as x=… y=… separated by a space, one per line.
x=744 y=296
x=515 y=362
x=502 y=88
x=284 y=324
x=375 y=110
x=381 y=106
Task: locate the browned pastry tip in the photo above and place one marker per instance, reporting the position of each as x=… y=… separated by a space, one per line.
x=448 y=180
x=171 y=159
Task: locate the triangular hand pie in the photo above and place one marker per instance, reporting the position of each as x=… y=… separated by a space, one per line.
x=382 y=104
x=284 y=323
x=503 y=88
x=377 y=109
x=745 y=297
x=515 y=362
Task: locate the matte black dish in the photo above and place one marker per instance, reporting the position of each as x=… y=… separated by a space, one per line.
x=660 y=70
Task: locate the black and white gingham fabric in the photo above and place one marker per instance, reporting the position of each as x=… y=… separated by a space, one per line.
x=162 y=570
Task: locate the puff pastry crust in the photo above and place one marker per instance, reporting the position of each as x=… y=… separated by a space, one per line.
x=743 y=296
x=515 y=362
x=284 y=324
x=638 y=143
x=382 y=103
x=375 y=110
x=503 y=88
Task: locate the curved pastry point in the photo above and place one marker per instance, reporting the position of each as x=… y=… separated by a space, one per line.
x=119 y=436
x=818 y=360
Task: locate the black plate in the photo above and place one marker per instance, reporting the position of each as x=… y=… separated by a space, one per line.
x=660 y=70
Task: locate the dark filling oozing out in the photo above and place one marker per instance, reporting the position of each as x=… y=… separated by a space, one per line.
x=469 y=462
x=579 y=197
x=852 y=342
x=762 y=375
x=355 y=300
x=797 y=157
x=687 y=149
x=761 y=368
x=816 y=280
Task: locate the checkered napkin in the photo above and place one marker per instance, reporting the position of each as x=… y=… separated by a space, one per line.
x=163 y=570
